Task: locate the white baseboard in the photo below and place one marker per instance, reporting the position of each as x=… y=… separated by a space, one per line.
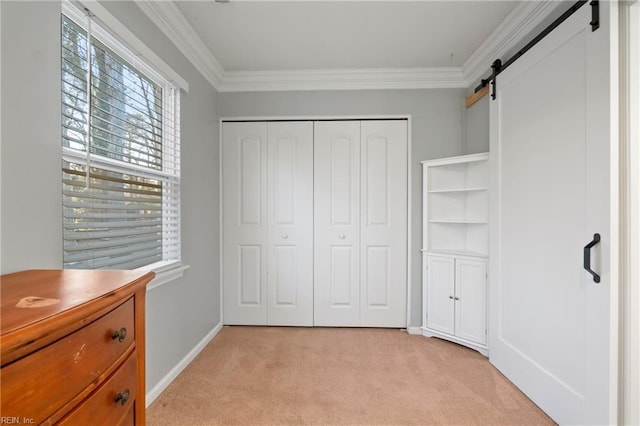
x=414 y=330
x=175 y=371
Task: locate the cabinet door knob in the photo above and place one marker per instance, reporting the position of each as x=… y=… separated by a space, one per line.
x=285 y=236
x=123 y=397
x=342 y=236
x=450 y=297
x=457 y=298
x=119 y=334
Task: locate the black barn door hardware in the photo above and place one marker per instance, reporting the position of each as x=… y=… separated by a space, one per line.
x=496 y=67
x=595 y=24
x=586 y=257
x=595 y=15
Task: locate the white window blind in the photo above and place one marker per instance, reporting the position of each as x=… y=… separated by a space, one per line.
x=121 y=156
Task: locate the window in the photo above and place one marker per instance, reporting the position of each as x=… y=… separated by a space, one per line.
x=121 y=154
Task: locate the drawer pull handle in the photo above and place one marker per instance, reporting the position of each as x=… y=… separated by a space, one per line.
x=119 y=334
x=123 y=397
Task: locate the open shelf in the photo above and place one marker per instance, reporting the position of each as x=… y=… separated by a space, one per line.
x=461 y=174
x=435 y=191
x=457 y=253
x=461 y=237
x=463 y=221
x=456 y=205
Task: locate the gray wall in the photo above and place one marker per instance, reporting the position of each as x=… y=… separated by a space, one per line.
x=476 y=128
x=31 y=174
x=477 y=121
x=437 y=131
x=180 y=313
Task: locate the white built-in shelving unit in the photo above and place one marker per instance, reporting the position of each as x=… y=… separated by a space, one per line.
x=455 y=249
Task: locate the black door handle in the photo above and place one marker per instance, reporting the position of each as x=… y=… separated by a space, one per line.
x=587 y=257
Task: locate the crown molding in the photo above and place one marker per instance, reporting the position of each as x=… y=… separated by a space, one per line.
x=169 y=19
x=512 y=30
x=518 y=24
x=344 y=79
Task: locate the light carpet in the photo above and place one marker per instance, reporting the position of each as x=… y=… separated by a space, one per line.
x=285 y=375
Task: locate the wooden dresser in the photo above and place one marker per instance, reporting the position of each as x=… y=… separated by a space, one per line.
x=72 y=347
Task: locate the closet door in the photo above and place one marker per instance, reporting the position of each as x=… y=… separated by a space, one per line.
x=360 y=223
x=383 y=219
x=337 y=223
x=290 y=223
x=244 y=218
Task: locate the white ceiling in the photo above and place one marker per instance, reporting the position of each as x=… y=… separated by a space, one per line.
x=320 y=35
x=248 y=45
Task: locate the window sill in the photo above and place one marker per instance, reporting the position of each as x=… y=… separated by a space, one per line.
x=165 y=273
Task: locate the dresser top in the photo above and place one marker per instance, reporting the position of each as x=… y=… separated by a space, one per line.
x=34 y=303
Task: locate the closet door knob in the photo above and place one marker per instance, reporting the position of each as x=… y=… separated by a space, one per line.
x=285 y=236
x=342 y=236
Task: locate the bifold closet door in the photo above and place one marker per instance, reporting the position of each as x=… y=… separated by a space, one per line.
x=383 y=223
x=267 y=173
x=337 y=223
x=290 y=223
x=244 y=218
x=360 y=190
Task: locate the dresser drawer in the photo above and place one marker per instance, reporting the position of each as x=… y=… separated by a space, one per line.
x=113 y=402
x=65 y=371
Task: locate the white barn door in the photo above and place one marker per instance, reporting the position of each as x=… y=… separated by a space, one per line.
x=550 y=323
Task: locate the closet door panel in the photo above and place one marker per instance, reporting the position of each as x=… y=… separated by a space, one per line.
x=290 y=223
x=250 y=274
x=244 y=235
x=376 y=181
x=342 y=274
x=378 y=276
x=250 y=165
x=284 y=276
x=337 y=223
x=383 y=223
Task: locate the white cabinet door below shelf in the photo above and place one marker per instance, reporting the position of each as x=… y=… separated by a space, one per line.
x=440 y=293
x=471 y=300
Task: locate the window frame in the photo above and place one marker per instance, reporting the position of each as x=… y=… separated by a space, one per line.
x=116 y=37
